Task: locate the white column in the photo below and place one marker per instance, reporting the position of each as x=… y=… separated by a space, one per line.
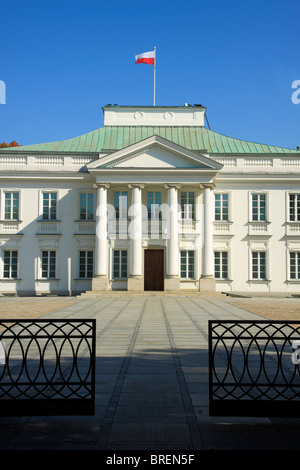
x=207 y=281
x=135 y=281
x=172 y=280
x=100 y=281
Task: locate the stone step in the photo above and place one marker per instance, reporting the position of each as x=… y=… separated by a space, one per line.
x=149 y=293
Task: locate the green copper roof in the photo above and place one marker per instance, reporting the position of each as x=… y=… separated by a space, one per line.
x=111 y=138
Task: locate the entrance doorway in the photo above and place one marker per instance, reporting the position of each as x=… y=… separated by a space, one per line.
x=154 y=270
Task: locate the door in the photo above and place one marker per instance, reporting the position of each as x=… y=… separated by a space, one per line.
x=154 y=270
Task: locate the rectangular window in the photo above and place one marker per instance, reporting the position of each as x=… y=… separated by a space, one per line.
x=121 y=205
x=120 y=264
x=49 y=206
x=11 y=210
x=10 y=270
x=187 y=264
x=154 y=205
x=86 y=206
x=295 y=265
x=221 y=264
x=221 y=206
x=294 y=207
x=86 y=264
x=259 y=265
x=187 y=202
x=259 y=207
x=48 y=264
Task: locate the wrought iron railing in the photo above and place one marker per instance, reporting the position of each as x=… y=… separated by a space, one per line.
x=47 y=367
x=254 y=368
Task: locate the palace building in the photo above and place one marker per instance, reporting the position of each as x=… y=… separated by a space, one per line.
x=152 y=201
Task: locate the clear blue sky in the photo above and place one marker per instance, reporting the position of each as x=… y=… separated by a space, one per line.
x=63 y=60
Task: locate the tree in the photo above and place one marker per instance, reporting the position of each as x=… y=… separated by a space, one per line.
x=12 y=144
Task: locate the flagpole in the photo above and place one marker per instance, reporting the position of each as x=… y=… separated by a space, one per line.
x=154 y=75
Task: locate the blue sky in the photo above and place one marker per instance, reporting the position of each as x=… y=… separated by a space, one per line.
x=63 y=60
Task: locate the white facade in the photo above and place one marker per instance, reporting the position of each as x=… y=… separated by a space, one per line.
x=156 y=211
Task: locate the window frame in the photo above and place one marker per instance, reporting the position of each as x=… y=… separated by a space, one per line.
x=86 y=205
x=259 y=195
x=11 y=205
x=184 y=204
x=259 y=254
x=188 y=254
x=49 y=266
x=223 y=217
x=11 y=253
x=88 y=256
x=118 y=205
x=154 y=206
x=120 y=269
x=223 y=262
x=296 y=208
x=47 y=211
x=297 y=265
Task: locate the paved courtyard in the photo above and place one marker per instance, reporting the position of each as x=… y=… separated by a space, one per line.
x=151 y=376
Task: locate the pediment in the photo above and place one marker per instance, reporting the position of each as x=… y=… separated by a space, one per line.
x=154 y=153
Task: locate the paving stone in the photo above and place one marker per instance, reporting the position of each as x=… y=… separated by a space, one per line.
x=151 y=376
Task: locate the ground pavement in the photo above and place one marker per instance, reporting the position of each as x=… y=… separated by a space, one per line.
x=151 y=376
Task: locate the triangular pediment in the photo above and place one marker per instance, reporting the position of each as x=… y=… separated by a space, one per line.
x=154 y=153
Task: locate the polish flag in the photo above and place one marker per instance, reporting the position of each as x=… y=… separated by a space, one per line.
x=145 y=58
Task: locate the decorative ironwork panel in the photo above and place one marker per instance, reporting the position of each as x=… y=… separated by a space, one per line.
x=47 y=367
x=254 y=368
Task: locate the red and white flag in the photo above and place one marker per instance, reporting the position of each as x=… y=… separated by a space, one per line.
x=145 y=58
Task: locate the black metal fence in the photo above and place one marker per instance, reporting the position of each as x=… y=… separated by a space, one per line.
x=254 y=368
x=47 y=367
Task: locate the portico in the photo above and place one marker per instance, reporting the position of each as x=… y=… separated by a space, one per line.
x=168 y=193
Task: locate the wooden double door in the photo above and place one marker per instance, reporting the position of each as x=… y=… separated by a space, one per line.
x=154 y=270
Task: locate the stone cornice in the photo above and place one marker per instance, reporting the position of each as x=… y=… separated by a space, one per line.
x=270 y=178
x=136 y=185
x=207 y=186
x=172 y=185
x=101 y=185
x=43 y=176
